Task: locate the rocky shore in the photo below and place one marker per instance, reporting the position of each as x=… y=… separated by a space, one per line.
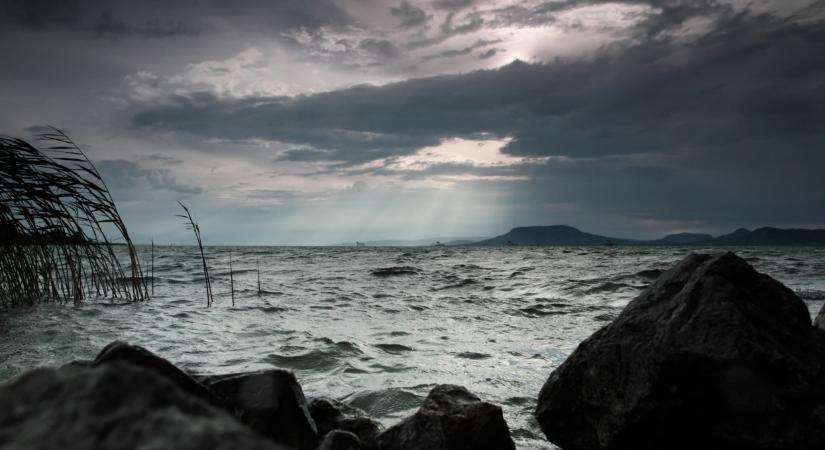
x=713 y=355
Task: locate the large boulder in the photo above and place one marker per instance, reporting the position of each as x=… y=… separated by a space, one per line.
x=271 y=402
x=713 y=355
x=114 y=406
x=451 y=418
x=330 y=415
x=123 y=352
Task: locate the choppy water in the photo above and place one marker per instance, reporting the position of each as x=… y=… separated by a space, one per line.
x=496 y=320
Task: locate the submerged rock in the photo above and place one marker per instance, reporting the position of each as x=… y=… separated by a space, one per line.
x=330 y=415
x=713 y=355
x=340 y=440
x=451 y=418
x=114 y=406
x=271 y=402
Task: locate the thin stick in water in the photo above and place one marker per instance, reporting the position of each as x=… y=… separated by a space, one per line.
x=153 y=268
x=231 y=279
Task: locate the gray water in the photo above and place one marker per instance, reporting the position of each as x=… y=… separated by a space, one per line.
x=495 y=320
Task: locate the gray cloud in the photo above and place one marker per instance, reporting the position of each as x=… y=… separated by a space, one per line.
x=489 y=53
x=177 y=17
x=409 y=15
x=453 y=5
x=481 y=43
x=658 y=128
x=381 y=48
x=127 y=175
x=629 y=100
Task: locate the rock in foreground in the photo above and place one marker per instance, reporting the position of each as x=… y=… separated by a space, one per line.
x=331 y=415
x=271 y=402
x=451 y=418
x=713 y=355
x=114 y=406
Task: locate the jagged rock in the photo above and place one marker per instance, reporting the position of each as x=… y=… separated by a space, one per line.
x=712 y=355
x=332 y=415
x=114 y=406
x=451 y=418
x=819 y=321
x=270 y=402
x=340 y=440
x=119 y=351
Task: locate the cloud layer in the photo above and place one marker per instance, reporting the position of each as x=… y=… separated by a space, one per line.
x=630 y=116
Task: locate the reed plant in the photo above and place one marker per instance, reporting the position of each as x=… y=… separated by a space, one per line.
x=59 y=227
x=190 y=224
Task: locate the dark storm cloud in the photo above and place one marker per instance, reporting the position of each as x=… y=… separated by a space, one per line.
x=730 y=118
x=409 y=15
x=127 y=175
x=169 y=18
x=748 y=80
x=453 y=5
x=382 y=48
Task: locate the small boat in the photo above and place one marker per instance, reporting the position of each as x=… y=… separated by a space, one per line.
x=360 y=244
x=439 y=244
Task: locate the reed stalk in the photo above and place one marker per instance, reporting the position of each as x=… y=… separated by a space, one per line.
x=190 y=224
x=58 y=225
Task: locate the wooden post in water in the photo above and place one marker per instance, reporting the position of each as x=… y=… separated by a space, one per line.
x=152 y=273
x=231 y=279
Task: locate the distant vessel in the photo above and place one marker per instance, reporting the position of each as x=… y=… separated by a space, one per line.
x=439 y=244
x=510 y=244
x=360 y=244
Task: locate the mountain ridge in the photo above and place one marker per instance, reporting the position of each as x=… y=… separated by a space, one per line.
x=549 y=235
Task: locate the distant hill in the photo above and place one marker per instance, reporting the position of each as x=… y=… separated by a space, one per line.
x=567 y=235
x=773 y=236
x=550 y=235
x=683 y=239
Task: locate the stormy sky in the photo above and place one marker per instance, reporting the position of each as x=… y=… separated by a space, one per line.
x=325 y=121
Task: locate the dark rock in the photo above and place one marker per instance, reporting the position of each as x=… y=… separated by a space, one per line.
x=451 y=418
x=332 y=415
x=712 y=355
x=340 y=440
x=114 y=406
x=819 y=321
x=271 y=402
x=119 y=351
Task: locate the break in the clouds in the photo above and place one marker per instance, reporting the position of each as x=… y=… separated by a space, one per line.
x=314 y=122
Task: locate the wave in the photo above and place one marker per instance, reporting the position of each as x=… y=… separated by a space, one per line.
x=395 y=349
x=394 y=271
x=384 y=402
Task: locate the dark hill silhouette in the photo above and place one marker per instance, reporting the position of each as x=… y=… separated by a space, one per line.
x=550 y=235
x=773 y=236
x=567 y=235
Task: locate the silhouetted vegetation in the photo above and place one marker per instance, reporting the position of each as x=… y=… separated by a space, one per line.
x=58 y=227
x=192 y=225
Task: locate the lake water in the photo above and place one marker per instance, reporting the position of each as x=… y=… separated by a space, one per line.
x=495 y=320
